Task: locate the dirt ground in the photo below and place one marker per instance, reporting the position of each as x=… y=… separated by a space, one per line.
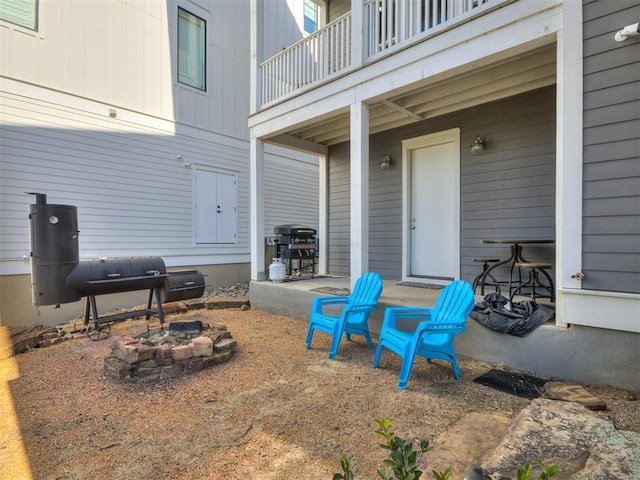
x=275 y=411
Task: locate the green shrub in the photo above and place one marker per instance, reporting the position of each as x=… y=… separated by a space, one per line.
x=525 y=472
x=346 y=474
x=401 y=463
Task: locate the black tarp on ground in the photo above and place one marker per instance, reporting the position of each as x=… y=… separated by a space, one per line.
x=519 y=384
x=519 y=320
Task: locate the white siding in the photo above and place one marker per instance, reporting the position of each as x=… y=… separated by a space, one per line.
x=133 y=193
x=124 y=53
x=291 y=189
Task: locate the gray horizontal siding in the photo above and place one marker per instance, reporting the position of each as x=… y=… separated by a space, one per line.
x=337 y=8
x=133 y=196
x=291 y=191
x=507 y=191
x=338 y=211
x=611 y=190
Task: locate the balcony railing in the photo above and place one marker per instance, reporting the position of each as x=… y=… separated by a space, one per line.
x=308 y=61
x=387 y=25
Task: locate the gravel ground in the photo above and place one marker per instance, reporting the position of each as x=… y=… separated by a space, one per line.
x=275 y=411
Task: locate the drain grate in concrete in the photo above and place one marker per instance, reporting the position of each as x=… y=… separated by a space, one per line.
x=420 y=285
x=332 y=290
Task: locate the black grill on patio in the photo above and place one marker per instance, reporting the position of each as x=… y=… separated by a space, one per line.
x=296 y=245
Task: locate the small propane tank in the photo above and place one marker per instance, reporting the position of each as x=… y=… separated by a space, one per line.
x=277 y=270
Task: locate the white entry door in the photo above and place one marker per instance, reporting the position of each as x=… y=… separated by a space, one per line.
x=432 y=207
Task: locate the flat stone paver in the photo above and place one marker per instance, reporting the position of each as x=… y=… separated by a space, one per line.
x=226 y=302
x=467 y=442
x=572 y=392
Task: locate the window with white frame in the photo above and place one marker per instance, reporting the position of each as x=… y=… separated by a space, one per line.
x=20 y=12
x=310 y=16
x=191 y=50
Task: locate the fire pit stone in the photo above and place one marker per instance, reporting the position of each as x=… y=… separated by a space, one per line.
x=158 y=354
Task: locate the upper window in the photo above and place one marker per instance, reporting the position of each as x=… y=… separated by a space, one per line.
x=20 y=12
x=191 y=50
x=310 y=16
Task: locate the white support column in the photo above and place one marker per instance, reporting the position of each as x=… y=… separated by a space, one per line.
x=357 y=33
x=256 y=33
x=323 y=220
x=359 y=190
x=256 y=185
x=569 y=153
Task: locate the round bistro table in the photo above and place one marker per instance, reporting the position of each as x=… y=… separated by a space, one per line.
x=516 y=257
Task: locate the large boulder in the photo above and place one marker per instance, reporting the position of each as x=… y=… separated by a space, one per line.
x=15 y=340
x=585 y=444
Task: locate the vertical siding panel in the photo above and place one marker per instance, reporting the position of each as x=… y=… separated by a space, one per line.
x=24 y=65
x=216 y=82
x=116 y=70
x=6 y=36
x=94 y=49
x=201 y=103
x=72 y=50
x=167 y=64
x=152 y=47
x=134 y=57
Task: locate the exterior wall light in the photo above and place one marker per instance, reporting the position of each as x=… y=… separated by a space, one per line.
x=385 y=163
x=628 y=31
x=477 y=146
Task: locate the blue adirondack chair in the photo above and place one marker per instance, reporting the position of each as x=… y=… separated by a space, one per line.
x=354 y=317
x=434 y=335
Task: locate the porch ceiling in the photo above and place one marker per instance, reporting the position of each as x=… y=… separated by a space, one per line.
x=503 y=79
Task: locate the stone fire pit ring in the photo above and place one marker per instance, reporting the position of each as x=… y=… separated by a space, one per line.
x=156 y=354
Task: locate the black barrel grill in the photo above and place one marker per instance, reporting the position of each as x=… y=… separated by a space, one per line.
x=117 y=275
x=183 y=285
x=296 y=243
x=58 y=276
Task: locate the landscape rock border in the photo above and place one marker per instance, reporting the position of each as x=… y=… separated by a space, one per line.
x=131 y=359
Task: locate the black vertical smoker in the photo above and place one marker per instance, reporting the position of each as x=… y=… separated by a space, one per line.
x=54 y=251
